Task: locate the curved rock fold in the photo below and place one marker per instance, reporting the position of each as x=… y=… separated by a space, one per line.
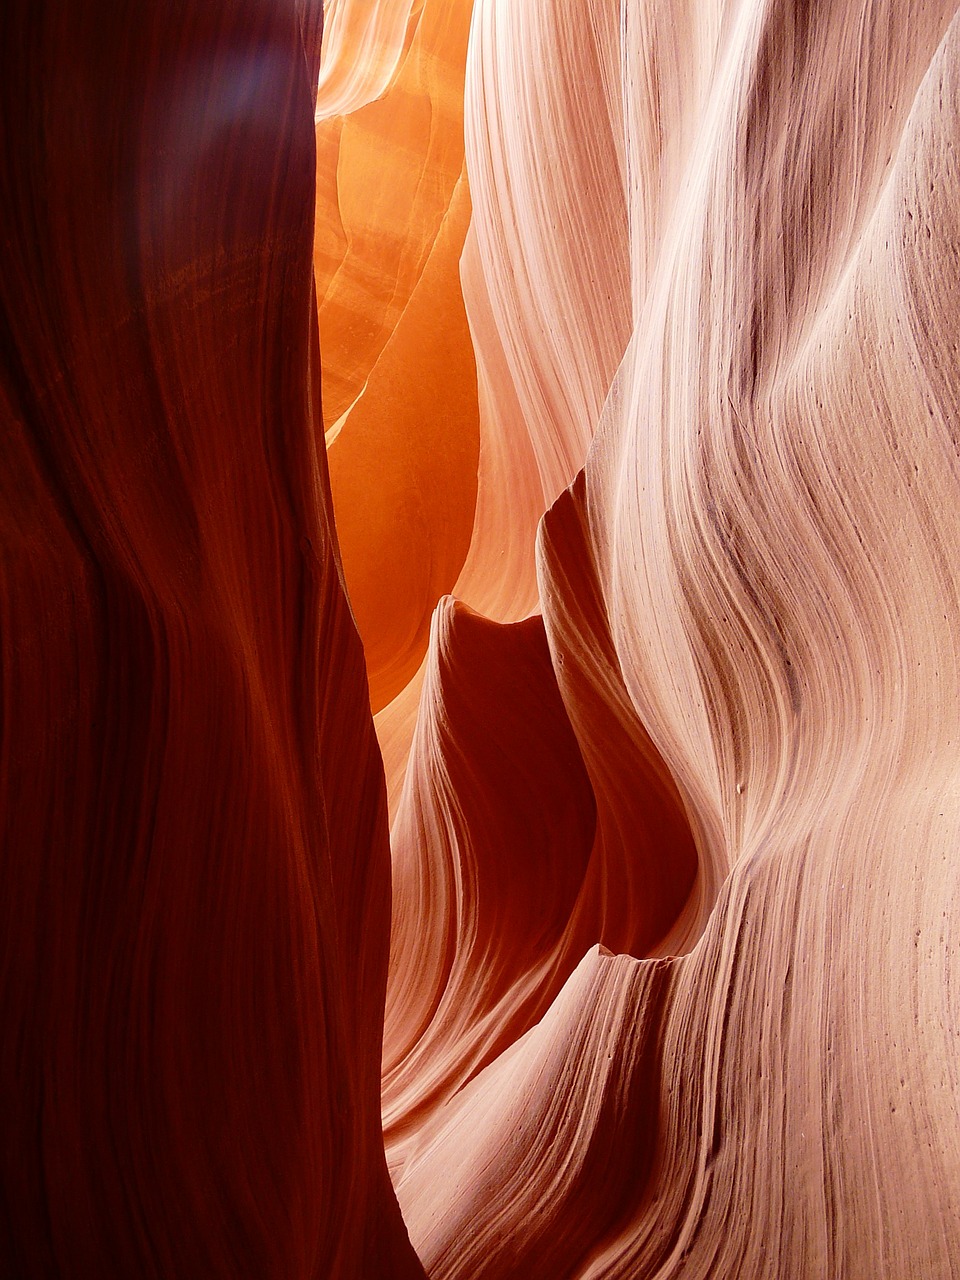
x=629 y=509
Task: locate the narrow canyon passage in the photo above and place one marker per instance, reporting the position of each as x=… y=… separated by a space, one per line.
x=479 y=619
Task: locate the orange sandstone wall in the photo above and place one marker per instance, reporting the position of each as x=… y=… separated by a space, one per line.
x=400 y=382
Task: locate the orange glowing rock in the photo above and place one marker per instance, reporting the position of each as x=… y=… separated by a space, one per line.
x=400 y=383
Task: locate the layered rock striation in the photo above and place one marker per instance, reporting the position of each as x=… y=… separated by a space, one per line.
x=629 y=507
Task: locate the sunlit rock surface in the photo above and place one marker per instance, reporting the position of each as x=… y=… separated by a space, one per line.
x=720 y=243
x=639 y=347
x=400 y=382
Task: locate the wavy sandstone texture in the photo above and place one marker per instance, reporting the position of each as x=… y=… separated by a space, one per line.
x=196 y=883
x=400 y=382
x=644 y=454
x=724 y=240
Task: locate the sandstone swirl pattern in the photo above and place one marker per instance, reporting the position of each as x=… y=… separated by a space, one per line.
x=195 y=862
x=641 y=404
x=750 y=600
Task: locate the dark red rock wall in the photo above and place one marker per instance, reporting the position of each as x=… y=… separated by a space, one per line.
x=194 y=844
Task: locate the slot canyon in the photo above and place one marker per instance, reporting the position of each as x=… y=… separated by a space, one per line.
x=480 y=636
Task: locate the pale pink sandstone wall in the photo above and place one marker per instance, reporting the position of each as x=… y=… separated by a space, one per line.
x=721 y=242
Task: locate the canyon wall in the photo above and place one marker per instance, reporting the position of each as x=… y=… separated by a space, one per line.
x=532 y=427
x=196 y=872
